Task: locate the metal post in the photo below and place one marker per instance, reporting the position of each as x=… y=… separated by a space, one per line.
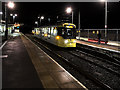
x=117 y=35
x=40 y=20
x=79 y=24
x=88 y=34
x=13 y=18
x=6 y=22
x=105 y=21
x=72 y=16
x=37 y=24
x=1 y=50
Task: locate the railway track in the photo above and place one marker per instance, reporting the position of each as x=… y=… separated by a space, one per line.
x=100 y=53
x=76 y=67
x=92 y=62
x=101 y=60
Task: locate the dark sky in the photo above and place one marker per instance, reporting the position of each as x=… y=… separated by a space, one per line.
x=92 y=14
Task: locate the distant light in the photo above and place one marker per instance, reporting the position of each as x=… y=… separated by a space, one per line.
x=69 y=10
x=49 y=19
x=11 y=14
x=16 y=25
x=1 y=13
x=105 y=26
x=38 y=17
x=42 y=17
x=15 y=14
x=2 y=21
x=36 y=22
x=93 y=32
x=11 y=4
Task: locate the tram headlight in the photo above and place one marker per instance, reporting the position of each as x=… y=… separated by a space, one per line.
x=66 y=41
x=57 y=37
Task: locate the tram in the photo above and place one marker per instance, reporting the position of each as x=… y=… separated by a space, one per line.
x=61 y=35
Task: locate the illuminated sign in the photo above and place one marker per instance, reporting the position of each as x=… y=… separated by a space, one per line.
x=69 y=26
x=16 y=25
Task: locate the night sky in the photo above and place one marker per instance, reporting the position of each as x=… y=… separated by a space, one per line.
x=92 y=14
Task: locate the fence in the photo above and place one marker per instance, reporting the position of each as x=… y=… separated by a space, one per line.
x=112 y=34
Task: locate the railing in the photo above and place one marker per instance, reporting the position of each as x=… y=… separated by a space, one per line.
x=112 y=34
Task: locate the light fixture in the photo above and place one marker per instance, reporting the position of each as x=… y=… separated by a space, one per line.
x=15 y=14
x=11 y=14
x=69 y=10
x=42 y=17
x=1 y=13
x=11 y=4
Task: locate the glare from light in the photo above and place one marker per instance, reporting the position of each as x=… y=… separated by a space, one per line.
x=11 y=4
x=36 y=22
x=42 y=17
x=74 y=41
x=1 y=13
x=103 y=0
x=66 y=41
x=57 y=37
x=105 y=26
x=69 y=10
x=11 y=14
x=2 y=21
x=15 y=14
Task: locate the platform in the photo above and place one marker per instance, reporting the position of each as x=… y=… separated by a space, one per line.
x=17 y=68
x=27 y=66
x=108 y=47
x=112 y=43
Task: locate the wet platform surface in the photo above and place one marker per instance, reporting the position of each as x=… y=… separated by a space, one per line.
x=27 y=66
x=17 y=68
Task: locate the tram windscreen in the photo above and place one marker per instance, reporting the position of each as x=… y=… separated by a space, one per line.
x=67 y=33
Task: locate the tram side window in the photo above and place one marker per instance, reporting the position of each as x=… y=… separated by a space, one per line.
x=45 y=30
x=52 y=31
x=49 y=32
x=42 y=31
x=55 y=32
x=60 y=32
x=69 y=32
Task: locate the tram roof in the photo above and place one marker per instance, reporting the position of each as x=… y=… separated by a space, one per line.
x=59 y=25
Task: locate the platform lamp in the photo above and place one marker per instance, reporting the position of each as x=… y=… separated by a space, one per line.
x=11 y=5
x=69 y=10
x=42 y=17
x=13 y=15
x=36 y=22
x=1 y=13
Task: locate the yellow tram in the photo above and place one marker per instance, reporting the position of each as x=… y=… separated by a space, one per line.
x=62 y=35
